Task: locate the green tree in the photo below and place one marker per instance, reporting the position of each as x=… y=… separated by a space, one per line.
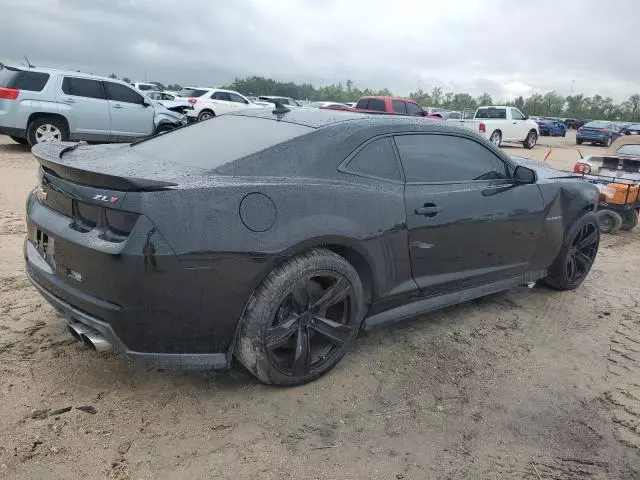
x=159 y=85
x=553 y=104
x=113 y=75
x=436 y=96
x=126 y=79
x=632 y=108
x=484 y=99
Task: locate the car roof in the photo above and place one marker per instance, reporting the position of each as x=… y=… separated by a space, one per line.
x=317 y=118
x=55 y=71
x=388 y=97
x=619 y=142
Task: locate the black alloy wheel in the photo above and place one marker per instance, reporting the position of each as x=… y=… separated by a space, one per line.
x=575 y=259
x=582 y=253
x=311 y=324
x=302 y=319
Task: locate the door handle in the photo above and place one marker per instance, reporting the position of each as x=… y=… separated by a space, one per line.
x=69 y=100
x=515 y=123
x=428 y=210
x=117 y=106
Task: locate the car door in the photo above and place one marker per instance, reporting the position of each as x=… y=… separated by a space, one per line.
x=222 y=103
x=83 y=102
x=238 y=101
x=399 y=107
x=131 y=114
x=415 y=110
x=468 y=222
x=519 y=126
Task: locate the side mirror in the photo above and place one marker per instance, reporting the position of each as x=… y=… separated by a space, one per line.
x=526 y=117
x=146 y=103
x=523 y=175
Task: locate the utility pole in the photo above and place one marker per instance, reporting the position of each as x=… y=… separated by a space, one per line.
x=572 y=84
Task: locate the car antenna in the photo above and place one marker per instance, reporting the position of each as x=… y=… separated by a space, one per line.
x=28 y=62
x=280 y=108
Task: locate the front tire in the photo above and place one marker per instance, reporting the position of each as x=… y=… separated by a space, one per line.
x=578 y=142
x=607 y=142
x=205 y=115
x=530 y=141
x=573 y=263
x=609 y=221
x=47 y=129
x=20 y=140
x=302 y=319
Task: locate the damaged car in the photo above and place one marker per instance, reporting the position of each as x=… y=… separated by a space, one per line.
x=276 y=248
x=43 y=105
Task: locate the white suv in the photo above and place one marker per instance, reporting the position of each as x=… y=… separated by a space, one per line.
x=216 y=102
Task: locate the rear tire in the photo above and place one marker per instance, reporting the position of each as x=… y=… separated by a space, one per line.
x=629 y=219
x=205 y=115
x=530 y=141
x=20 y=140
x=47 y=129
x=496 y=138
x=573 y=263
x=578 y=142
x=302 y=319
x=609 y=221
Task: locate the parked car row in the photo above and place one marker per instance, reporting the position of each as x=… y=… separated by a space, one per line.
x=39 y=105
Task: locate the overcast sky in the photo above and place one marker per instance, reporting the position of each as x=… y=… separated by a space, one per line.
x=503 y=47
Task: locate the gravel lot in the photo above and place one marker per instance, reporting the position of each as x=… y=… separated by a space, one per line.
x=530 y=384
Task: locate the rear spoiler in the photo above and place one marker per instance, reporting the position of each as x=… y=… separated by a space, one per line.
x=49 y=154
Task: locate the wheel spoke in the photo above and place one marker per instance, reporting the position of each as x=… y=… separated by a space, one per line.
x=300 y=296
x=583 y=260
x=280 y=334
x=337 y=333
x=332 y=295
x=302 y=354
x=587 y=241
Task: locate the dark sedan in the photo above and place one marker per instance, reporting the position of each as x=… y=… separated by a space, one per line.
x=632 y=129
x=276 y=236
x=598 y=132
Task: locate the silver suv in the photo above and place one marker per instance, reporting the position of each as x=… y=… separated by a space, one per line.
x=39 y=105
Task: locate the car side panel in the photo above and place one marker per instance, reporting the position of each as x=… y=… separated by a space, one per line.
x=17 y=112
x=564 y=202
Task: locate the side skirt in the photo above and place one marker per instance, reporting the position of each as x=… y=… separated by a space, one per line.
x=430 y=304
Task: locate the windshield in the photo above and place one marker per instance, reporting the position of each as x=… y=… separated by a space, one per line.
x=220 y=140
x=597 y=125
x=192 y=92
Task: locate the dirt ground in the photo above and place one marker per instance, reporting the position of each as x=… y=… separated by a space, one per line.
x=531 y=384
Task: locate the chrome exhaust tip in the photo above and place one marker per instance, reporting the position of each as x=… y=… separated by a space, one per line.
x=95 y=341
x=77 y=330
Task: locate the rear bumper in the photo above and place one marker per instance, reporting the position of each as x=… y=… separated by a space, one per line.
x=593 y=138
x=193 y=360
x=14 y=132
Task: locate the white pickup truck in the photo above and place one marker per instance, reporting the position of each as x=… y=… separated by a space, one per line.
x=500 y=124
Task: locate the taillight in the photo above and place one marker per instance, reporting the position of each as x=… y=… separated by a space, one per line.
x=482 y=128
x=9 y=93
x=580 y=167
x=580 y=129
x=192 y=100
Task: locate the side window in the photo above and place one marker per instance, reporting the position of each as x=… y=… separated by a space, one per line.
x=399 y=106
x=122 y=93
x=377 y=104
x=236 y=98
x=33 y=81
x=414 y=109
x=516 y=114
x=363 y=104
x=83 y=87
x=445 y=158
x=221 y=96
x=376 y=159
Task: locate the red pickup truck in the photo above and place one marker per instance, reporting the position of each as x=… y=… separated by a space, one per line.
x=392 y=106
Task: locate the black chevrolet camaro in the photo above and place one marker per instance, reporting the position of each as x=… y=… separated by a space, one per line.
x=274 y=236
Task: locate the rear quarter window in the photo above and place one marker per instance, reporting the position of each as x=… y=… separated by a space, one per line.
x=376 y=104
x=220 y=140
x=23 y=80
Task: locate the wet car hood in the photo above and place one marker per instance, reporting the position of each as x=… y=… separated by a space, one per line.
x=543 y=170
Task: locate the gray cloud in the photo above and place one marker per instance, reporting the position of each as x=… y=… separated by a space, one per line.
x=503 y=47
